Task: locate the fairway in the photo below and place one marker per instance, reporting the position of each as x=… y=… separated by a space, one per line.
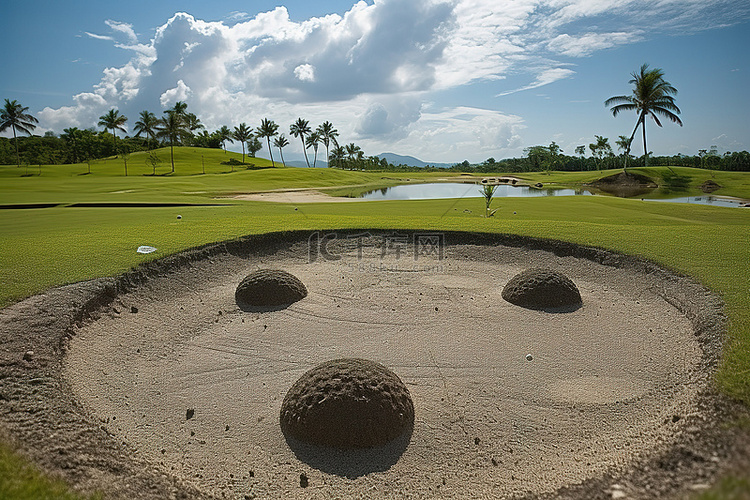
x=47 y=247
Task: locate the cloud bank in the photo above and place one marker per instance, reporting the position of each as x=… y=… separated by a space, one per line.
x=376 y=70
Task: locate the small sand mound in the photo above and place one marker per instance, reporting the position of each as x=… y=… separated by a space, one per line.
x=542 y=289
x=624 y=184
x=269 y=288
x=709 y=186
x=347 y=403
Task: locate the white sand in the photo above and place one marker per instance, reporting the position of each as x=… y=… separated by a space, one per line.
x=595 y=397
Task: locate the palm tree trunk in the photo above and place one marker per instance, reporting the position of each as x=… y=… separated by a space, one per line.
x=281 y=152
x=15 y=141
x=304 y=150
x=270 y=151
x=645 y=148
x=171 y=153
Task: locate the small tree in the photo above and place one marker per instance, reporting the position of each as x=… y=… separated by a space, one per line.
x=153 y=160
x=600 y=149
x=488 y=191
x=623 y=144
x=253 y=146
x=125 y=155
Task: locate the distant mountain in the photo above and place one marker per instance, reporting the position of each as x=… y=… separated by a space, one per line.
x=411 y=161
x=301 y=163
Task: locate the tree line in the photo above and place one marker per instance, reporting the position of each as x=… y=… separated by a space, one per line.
x=176 y=127
x=651 y=97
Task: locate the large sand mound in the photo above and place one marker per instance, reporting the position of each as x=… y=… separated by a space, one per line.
x=193 y=385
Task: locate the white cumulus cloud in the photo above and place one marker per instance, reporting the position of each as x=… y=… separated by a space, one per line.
x=373 y=70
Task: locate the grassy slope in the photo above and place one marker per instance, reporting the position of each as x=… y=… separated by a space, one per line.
x=46 y=247
x=735 y=184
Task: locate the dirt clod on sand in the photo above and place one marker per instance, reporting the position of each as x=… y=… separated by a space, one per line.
x=347 y=403
x=542 y=289
x=269 y=288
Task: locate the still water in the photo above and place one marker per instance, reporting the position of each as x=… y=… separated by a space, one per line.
x=440 y=190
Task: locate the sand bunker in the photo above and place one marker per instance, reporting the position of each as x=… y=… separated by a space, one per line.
x=166 y=388
x=603 y=381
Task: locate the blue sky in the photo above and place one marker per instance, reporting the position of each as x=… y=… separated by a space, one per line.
x=441 y=80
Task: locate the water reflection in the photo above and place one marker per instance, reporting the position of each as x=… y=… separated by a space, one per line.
x=441 y=190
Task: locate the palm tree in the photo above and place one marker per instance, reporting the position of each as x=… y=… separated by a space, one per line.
x=72 y=135
x=338 y=155
x=300 y=129
x=113 y=121
x=146 y=125
x=623 y=144
x=268 y=128
x=281 y=142
x=224 y=135
x=16 y=117
x=192 y=124
x=313 y=140
x=353 y=151
x=171 y=127
x=652 y=96
x=242 y=134
x=328 y=135
x=179 y=108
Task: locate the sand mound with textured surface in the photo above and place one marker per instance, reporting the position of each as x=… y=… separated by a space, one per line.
x=542 y=289
x=347 y=403
x=269 y=288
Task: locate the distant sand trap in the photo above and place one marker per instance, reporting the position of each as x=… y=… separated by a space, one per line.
x=602 y=381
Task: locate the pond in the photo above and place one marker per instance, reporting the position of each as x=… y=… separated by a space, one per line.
x=717 y=201
x=441 y=190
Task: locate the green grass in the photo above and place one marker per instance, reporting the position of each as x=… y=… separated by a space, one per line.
x=41 y=248
x=729 y=488
x=21 y=480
